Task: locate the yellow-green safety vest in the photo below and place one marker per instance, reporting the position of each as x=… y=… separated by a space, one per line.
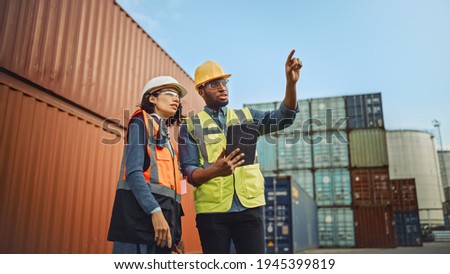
x=216 y=195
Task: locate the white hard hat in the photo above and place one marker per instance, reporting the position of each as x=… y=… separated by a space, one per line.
x=160 y=82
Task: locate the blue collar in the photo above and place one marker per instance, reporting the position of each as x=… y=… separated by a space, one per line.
x=210 y=111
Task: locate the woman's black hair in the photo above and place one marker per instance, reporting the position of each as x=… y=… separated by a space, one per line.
x=149 y=107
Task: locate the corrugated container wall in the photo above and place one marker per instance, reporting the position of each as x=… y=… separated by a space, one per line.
x=404 y=195
x=407 y=228
x=412 y=154
x=294 y=152
x=57 y=177
x=371 y=187
x=446 y=206
x=447 y=193
x=374 y=227
x=89 y=52
x=364 y=111
x=66 y=66
x=330 y=149
x=328 y=113
x=302 y=177
x=336 y=227
x=444 y=164
x=290 y=217
x=267 y=144
x=333 y=187
x=302 y=119
x=368 y=148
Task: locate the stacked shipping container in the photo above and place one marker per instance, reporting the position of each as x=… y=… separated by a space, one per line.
x=329 y=142
x=346 y=178
x=444 y=164
x=314 y=153
x=71 y=73
x=406 y=212
x=371 y=188
x=290 y=217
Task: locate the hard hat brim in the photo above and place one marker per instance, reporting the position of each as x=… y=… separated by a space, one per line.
x=182 y=91
x=213 y=78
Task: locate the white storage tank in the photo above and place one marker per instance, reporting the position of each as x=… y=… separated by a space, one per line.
x=412 y=154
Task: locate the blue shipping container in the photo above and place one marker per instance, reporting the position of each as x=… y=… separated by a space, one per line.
x=330 y=149
x=336 y=227
x=407 y=226
x=302 y=119
x=266 y=148
x=364 y=111
x=302 y=177
x=328 y=114
x=290 y=217
x=333 y=187
x=293 y=152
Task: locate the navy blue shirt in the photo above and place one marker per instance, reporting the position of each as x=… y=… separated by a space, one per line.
x=268 y=121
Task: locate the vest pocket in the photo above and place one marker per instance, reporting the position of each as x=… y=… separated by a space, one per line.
x=210 y=192
x=253 y=180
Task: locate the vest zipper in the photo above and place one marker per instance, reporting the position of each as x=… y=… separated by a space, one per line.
x=174 y=171
x=174 y=177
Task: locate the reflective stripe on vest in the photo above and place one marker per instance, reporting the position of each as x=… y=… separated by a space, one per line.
x=216 y=195
x=163 y=174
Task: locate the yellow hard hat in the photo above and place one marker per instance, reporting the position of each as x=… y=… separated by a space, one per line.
x=208 y=71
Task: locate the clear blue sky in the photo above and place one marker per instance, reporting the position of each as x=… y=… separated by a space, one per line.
x=400 y=48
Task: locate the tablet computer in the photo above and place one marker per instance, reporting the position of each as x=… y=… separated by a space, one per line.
x=244 y=137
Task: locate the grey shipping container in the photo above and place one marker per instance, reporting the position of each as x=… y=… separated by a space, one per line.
x=263 y=106
x=290 y=217
x=330 y=149
x=371 y=187
x=336 y=228
x=266 y=145
x=293 y=152
x=374 y=227
x=404 y=195
x=407 y=227
x=328 y=114
x=302 y=119
x=302 y=177
x=364 y=111
x=368 y=148
x=332 y=187
x=444 y=165
x=267 y=152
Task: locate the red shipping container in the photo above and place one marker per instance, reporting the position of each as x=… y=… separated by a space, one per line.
x=371 y=187
x=374 y=227
x=404 y=196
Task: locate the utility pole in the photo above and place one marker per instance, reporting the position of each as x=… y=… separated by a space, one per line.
x=443 y=169
x=437 y=125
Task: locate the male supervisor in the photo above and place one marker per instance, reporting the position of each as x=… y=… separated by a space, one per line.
x=228 y=197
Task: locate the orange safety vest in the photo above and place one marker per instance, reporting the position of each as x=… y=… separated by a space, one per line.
x=163 y=174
